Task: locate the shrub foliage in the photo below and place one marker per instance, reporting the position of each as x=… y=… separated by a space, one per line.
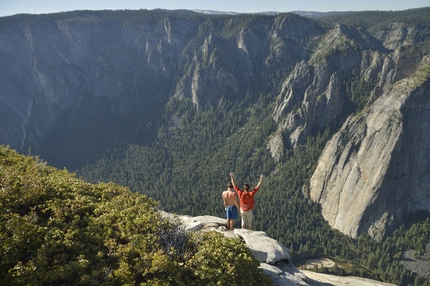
x=56 y=229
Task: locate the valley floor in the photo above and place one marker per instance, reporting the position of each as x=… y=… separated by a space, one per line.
x=316 y=262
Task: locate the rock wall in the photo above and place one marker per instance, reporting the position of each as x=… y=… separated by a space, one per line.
x=73 y=84
x=374 y=171
x=68 y=76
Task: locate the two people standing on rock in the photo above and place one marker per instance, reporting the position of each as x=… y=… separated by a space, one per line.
x=247 y=202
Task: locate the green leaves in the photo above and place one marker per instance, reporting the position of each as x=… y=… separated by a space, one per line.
x=222 y=261
x=56 y=229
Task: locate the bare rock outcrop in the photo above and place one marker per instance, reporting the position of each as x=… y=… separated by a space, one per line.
x=313 y=96
x=395 y=35
x=274 y=257
x=369 y=176
x=326 y=279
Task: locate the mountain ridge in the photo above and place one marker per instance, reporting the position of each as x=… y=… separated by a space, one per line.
x=168 y=104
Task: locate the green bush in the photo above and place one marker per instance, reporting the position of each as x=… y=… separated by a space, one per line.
x=222 y=261
x=56 y=229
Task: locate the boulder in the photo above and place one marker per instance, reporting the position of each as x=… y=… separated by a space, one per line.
x=264 y=248
x=285 y=274
x=326 y=279
x=275 y=260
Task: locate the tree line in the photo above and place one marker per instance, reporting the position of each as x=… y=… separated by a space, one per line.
x=187 y=168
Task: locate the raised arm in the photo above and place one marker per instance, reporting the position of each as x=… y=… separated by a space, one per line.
x=232 y=179
x=259 y=182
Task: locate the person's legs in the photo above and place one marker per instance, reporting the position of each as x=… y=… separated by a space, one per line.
x=250 y=217
x=231 y=224
x=246 y=219
x=232 y=214
x=242 y=216
x=227 y=214
x=228 y=223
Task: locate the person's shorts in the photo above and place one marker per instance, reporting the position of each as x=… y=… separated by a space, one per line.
x=246 y=219
x=231 y=212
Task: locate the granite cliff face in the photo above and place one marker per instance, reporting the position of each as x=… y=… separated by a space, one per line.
x=67 y=77
x=314 y=95
x=363 y=181
x=374 y=171
x=73 y=84
x=77 y=72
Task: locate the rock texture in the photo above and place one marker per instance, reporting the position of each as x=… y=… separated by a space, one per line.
x=375 y=169
x=325 y=279
x=313 y=96
x=274 y=257
x=74 y=84
x=67 y=76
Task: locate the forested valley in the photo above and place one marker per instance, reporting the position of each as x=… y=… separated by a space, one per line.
x=179 y=150
x=187 y=169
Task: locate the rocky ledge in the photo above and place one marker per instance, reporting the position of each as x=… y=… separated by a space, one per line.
x=274 y=257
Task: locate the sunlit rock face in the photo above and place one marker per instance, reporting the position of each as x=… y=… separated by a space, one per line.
x=274 y=257
x=375 y=170
x=73 y=84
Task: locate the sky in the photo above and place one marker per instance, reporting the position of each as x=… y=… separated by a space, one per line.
x=12 y=7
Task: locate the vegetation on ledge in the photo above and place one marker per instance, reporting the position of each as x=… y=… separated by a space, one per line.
x=56 y=229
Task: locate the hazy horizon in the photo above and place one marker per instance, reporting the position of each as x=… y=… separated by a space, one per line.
x=12 y=7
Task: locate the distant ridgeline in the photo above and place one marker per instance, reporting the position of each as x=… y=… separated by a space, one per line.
x=332 y=109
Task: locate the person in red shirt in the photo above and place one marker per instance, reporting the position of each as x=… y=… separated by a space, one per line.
x=247 y=201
